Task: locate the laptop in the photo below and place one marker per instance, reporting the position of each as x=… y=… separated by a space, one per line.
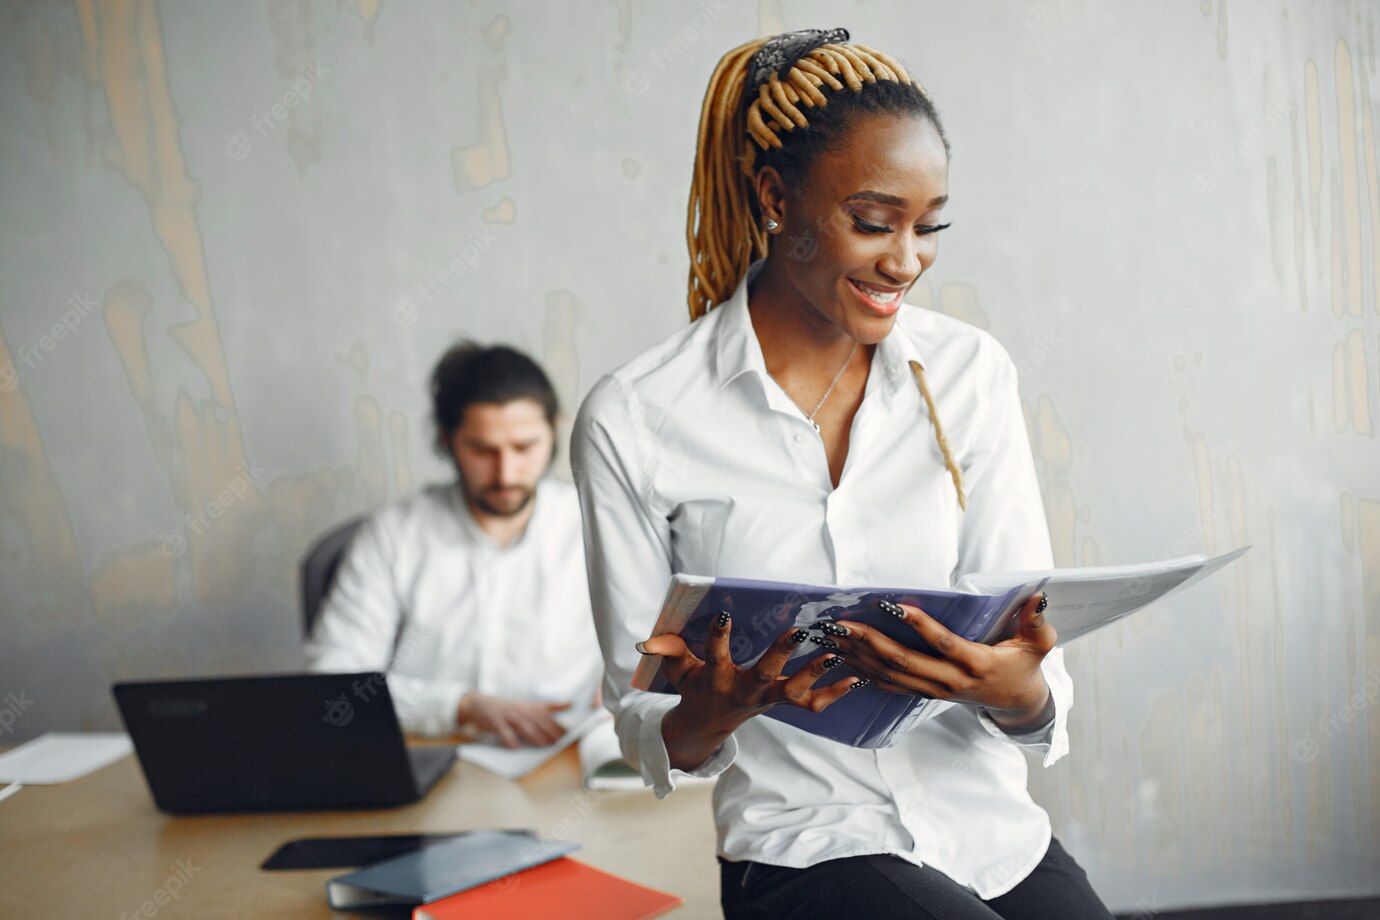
x=280 y=742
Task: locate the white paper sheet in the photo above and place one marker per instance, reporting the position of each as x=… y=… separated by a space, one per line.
x=60 y=757
x=514 y=763
x=1088 y=598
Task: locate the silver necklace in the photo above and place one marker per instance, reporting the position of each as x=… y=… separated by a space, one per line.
x=820 y=405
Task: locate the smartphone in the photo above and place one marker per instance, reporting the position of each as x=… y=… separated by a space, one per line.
x=347 y=852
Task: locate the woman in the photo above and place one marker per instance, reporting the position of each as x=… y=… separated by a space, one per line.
x=791 y=433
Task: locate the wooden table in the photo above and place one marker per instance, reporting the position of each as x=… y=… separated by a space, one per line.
x=98 y=847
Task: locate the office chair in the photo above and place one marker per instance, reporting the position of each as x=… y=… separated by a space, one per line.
x=319 y=566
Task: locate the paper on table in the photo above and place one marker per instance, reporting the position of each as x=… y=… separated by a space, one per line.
x=59 y=757
x=514 y=763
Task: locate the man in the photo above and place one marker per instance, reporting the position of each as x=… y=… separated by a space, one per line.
x=472 y=595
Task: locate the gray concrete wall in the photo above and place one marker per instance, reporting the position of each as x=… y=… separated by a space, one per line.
x=234 y=236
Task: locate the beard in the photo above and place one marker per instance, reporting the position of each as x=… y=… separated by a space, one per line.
x=500 y=502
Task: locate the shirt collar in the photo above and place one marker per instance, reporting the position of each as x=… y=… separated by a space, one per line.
x=737 y=351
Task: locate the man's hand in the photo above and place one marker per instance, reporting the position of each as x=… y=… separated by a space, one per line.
x=516 y=722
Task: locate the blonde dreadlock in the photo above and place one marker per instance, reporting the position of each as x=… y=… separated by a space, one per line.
x=721 y=227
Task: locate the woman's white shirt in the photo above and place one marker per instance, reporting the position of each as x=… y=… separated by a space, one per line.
x=690 y=458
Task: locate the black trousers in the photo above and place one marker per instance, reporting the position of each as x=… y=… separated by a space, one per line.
x=863 y=887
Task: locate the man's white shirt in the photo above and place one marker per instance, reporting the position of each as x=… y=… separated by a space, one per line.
x=692 y=459
x=428 y=597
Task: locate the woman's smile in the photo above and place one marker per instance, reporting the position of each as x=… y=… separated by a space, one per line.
x=876 y=299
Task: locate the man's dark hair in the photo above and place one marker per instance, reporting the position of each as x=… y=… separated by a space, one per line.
x=470 y=373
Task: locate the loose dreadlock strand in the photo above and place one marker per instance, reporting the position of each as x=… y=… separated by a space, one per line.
x=949 y=463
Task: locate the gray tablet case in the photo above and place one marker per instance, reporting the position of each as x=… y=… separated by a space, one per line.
x=443 y=869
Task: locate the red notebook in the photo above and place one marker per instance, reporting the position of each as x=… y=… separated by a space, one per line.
x=559 y=888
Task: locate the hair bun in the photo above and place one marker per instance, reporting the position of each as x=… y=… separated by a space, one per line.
x=782 y=51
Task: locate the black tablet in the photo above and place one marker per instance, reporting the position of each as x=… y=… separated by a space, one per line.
x=347 y=852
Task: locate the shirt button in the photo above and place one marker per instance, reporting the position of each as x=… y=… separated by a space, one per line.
x=800 y=437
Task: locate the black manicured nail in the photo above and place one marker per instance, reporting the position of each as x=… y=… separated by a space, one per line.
x=1044 y=602
x=722 y=620
x=832 y=629
x=892 y=609
x=641 y=649
x=799 y=636
x=824 y=643
x=858 y=685
x=833 y=662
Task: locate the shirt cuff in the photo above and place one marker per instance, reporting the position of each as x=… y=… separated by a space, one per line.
x=1051 y=739
x=655 y=762
x=427 y=707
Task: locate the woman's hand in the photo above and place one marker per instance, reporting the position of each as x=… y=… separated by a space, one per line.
x=716 y=696
x=1004 y=678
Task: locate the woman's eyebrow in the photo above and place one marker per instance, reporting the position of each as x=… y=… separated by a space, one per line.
x=884 y=198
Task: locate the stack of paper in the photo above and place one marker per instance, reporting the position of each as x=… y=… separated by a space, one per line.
x=59 y=757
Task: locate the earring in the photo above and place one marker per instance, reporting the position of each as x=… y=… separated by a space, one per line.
x=771 y=225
